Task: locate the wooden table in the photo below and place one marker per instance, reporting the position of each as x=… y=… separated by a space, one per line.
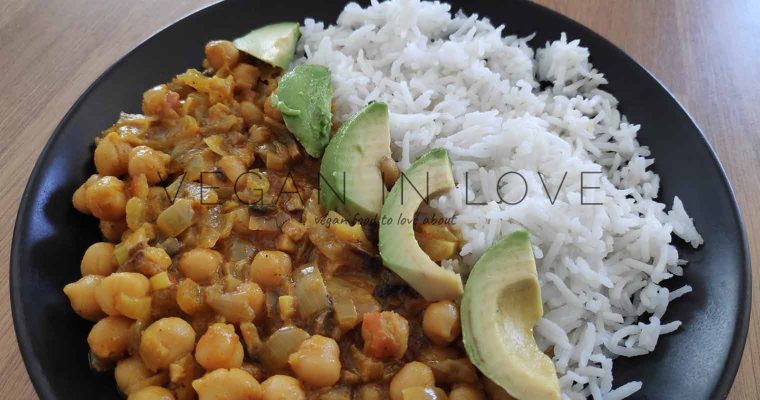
x=705 y=51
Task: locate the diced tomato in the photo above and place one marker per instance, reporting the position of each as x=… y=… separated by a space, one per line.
x=385 y=334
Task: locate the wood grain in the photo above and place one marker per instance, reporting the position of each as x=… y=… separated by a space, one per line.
x=705 y=51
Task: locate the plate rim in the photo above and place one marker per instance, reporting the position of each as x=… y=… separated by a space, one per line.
x=42 y=385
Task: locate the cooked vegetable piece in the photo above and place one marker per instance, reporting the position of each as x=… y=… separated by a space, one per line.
x=350 y=301
x=351 y=234
x=175 y=219
x=280 y=345
x=368 y=368
x=287 y=307
x=251 y=338
x=162 y=280
x=385 y=334
x=310 y=292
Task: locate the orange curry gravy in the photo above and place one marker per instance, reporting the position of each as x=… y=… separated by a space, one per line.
x=214 y=259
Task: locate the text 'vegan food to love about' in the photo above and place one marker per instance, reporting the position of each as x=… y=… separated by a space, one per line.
x=296 y=220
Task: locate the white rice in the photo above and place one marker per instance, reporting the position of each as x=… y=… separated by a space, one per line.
x=456 y=81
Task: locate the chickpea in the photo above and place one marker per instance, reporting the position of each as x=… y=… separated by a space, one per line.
x=153 y=260
x=271 y=111
x=113 y=230
x=165 y=341
x=109 y=337
x=466 y=392
x=294 y=229
x=317 y=361
x=440 y=323
x=282 y=387
x=200 y=264
x=219 y=347
x=79 y=199
x=161 y=101
x=243 y=304
x=111 y=287
x=370 y=392
x=81 y=295
x=251 y=113
x=390 y=172
x=111 y=155
x=98 y=259
x=227 y=384
x=221 y=53
x=106 y=198
x=246 y=74
x=149 y=162
x=152 y=393
x=132 y=375
x=270 y=268
x=410 y=375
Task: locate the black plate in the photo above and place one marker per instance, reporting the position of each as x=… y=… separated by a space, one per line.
x=698 y=362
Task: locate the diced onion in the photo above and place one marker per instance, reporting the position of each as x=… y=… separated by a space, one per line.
x=278 y=347
x=175 y=219
x=310 y=291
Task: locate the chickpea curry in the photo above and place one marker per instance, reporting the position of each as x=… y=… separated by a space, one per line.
x=218 y=277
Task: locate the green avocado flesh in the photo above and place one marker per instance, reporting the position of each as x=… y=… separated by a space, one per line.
x=429 y=175
x=274 y=44
x=304 y=97
x=501 y=304
x=350 y=179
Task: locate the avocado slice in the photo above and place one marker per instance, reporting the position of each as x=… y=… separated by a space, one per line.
x=429 y=175
x=501 y=304
x=350 y=167
x=304 y=97
x=274 y=43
